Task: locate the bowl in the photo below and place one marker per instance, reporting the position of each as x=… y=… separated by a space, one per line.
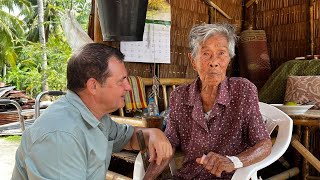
x=298 y=109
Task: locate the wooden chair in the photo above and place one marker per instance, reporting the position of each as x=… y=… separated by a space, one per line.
x=167 y=85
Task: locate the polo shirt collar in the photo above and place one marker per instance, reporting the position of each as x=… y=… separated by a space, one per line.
x=86 y=114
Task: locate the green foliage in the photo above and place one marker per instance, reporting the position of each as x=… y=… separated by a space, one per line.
x=53 y=9
x=11 y=29
x=158 y=5
x=27 y=75
x=12 y=138
x=25 y=58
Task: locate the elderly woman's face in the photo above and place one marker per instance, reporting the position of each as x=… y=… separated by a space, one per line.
x=212 y=60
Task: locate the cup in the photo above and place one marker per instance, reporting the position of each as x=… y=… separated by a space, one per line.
x=154 y=121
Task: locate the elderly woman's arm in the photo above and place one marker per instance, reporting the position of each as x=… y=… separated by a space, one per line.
x=155 y=170
x=216 y=163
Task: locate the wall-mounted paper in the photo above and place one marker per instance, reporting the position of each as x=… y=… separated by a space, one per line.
x=155 y=47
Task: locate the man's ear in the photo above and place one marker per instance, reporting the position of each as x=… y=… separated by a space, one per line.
x=92 y=85
x=192 y=61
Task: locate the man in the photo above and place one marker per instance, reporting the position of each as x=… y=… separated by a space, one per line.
x=75 y=137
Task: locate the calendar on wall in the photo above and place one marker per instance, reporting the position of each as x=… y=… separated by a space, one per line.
x=155 y=47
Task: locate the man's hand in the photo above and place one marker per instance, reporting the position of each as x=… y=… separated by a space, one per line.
x=159 y=146
x=216 y=163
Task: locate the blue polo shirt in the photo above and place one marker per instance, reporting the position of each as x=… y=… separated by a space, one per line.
x=68 y=142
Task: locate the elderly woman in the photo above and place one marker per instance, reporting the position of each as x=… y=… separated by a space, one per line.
x=215 y=120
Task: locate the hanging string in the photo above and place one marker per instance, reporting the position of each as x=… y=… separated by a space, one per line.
x=155 y=79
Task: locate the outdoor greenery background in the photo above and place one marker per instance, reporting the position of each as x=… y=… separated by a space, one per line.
x=20 y=49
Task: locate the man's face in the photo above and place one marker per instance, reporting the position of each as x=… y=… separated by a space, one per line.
x=111 y=94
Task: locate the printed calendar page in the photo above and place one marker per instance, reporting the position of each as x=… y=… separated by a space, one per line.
x=155 y=47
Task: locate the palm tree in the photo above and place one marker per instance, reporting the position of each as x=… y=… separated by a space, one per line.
x=48 y=15
x=43 y=44
x=11 y=29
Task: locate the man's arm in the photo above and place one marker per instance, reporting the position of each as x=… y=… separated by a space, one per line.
x=159 y=146
x=216 y=163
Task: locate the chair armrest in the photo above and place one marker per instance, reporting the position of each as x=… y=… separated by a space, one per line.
x=278 y=149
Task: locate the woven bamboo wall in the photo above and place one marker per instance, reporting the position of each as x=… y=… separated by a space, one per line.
x=184 y=14
x=286 y=22
x=233 y=8
x=287 y=26
x=135 y=69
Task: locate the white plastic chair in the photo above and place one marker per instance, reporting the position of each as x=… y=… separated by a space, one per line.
x=138 y=171
x=273 y=117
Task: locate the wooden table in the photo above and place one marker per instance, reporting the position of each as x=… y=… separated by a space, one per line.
x=307 y=121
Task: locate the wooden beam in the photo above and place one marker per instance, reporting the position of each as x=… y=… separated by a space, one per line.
x=115 y=176
x=210 y=3
x=286 y=174
x=305 y=153
x=129 y=120
x=250 y=2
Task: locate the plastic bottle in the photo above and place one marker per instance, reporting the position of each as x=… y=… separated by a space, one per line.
x=165 y=115
x=153 y=109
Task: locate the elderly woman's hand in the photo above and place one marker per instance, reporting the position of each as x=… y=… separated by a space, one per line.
x=216 y=163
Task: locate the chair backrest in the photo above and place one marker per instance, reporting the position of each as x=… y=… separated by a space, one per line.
x=167 y=85
x=273 y=118
x=38 y=100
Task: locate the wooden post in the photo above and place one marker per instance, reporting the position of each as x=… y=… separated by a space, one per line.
x=311 y=8
x=250 y=15
x=91 y=20
x=97 y=27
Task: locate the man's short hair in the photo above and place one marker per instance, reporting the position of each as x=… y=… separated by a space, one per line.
x=91 y=61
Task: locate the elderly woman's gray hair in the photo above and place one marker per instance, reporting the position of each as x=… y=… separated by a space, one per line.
x=202 y=32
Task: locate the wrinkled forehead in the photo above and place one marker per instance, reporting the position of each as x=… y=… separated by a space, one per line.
x=215 y=45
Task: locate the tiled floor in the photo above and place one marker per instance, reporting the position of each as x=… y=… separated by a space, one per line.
x=7 y=154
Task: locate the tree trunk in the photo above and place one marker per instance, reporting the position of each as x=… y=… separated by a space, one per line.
x=43 y=45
